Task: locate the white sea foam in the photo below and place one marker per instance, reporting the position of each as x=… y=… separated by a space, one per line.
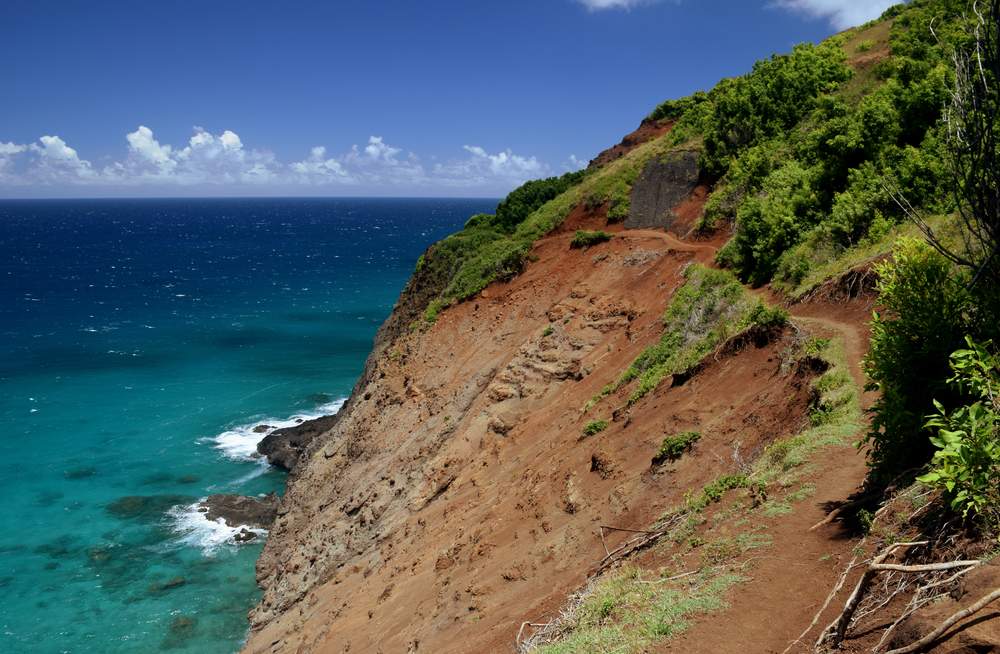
x=240 y=442
x=194 y=529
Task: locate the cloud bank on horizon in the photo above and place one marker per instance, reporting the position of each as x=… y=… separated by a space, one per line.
x=841 y=13
x=222 y=160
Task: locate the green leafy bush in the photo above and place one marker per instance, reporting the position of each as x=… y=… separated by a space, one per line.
x=771 y=99
x=673 y=447
x=966 y=465
x=586 y=239
x=595 y=427
x=924 y=308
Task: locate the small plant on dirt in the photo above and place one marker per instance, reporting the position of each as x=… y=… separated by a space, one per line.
x=714 y=491
x=814 y=347
x=674 y=447
x=865 y=45
x=595 y=427
x=548 y=331
x=586 y=239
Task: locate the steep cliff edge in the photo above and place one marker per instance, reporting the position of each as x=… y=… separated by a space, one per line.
x=457 y=494
x=585 y=426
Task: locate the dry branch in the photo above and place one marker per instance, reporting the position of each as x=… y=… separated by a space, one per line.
x=836 y=631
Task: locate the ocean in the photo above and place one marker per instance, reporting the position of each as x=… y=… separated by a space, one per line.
x=142 y=340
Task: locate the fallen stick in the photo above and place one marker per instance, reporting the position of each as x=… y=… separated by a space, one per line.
x=948 y=624
x=838 y=628
x=929 y=567
x=630 y=531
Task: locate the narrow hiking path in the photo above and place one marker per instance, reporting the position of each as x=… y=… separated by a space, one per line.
x=788 y=581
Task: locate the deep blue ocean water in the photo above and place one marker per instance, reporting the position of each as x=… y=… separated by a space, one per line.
x=141 y=342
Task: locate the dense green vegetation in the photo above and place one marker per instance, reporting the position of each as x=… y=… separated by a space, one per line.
x=966 y=464
x=809 y=150
x=820 y=156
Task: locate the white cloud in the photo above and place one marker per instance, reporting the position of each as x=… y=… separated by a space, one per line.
x=841 y=13
x=317 y=168
x=506 y=163
x=598 y=5
x=147 y=150
x=7 y=154
x=54 y=160
x=223 y=161
x=573 y=163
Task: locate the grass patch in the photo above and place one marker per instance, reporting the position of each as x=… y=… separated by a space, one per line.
x=586 y=238
x=626 y=614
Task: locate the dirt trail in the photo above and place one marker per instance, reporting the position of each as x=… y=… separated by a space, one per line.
x=790 y=581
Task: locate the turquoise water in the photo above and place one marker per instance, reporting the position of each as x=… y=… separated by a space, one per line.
x=141 y=340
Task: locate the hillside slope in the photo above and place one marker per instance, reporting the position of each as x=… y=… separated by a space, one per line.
x=577 y=434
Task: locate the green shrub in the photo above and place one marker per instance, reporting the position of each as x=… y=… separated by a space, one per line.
x=586 y=239
x=770 y=100
x=673 y=447
x=924 y=308
x=966 y=465
x=595 y=427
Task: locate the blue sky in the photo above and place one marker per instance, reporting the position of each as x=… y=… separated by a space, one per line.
x=373 y=97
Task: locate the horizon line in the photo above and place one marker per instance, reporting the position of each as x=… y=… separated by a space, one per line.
x=252 y=197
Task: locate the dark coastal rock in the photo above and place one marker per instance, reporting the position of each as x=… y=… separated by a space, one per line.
x=283 y=447
x=236 y=510
x=664 y=184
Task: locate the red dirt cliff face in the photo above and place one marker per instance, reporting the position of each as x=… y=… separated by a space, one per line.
x=455 y=498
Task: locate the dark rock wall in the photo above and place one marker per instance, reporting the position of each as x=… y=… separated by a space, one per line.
x=663 y=184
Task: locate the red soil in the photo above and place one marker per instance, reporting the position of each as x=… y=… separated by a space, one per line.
x=457 y=498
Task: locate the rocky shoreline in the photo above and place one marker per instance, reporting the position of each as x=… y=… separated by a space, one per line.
x=283 y=448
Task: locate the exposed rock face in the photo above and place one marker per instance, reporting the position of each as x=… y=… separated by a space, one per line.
x=663 y=185
x=284 y=447
x=236 y=510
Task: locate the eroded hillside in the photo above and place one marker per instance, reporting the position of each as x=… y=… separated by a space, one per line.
x=621 y=414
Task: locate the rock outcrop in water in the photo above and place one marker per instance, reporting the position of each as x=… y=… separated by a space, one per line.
x=284 y=447
x=240 y=510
